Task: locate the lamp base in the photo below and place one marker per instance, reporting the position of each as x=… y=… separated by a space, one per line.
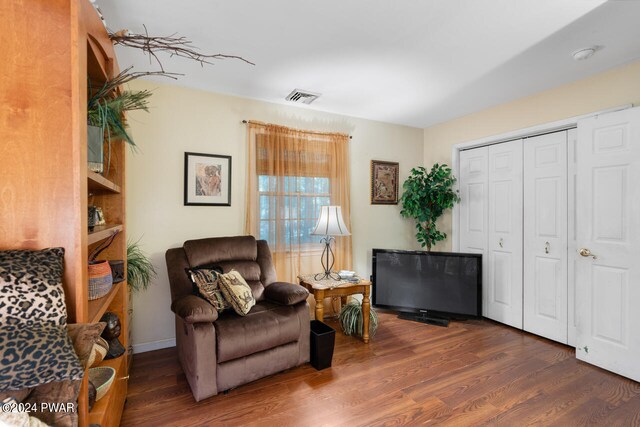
x=326 y=259
x=327 y=275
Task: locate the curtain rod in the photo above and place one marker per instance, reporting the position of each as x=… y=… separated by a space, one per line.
x=247 y=121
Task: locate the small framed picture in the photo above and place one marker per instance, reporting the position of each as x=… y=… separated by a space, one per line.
x=384 y=182
x=207 y=180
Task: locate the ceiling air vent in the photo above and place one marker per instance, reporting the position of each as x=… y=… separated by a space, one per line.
x=302 y=96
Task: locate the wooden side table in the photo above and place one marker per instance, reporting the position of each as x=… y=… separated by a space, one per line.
x=322 y=289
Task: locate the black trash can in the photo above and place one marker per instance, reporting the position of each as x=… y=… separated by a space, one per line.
x=323 y=338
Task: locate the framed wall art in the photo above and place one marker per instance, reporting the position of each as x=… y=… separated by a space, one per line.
x=207 y=180
x=384 y=182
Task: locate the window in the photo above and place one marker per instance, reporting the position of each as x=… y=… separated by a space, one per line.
x=291 y=174
x=299 y=205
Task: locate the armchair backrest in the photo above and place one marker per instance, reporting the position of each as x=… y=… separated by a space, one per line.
x=250 y=257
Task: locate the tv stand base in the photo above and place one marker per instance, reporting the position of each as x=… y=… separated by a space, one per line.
x=425 y=318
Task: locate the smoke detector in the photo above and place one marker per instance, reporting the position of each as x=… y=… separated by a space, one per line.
x=302 y=96
x=585 y=53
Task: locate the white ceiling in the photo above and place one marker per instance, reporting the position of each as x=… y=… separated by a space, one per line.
x=409 y=62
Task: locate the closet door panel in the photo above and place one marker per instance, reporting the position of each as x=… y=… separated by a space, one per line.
x=504 y=284
x=474 y=165
x=608 y=238
x=545 y=236
x=572 y=248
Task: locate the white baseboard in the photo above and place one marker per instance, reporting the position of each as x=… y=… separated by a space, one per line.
x=154 y=345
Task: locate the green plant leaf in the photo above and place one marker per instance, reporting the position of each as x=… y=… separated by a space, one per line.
x=107 y=110
x=140 y=269
x=350 y=319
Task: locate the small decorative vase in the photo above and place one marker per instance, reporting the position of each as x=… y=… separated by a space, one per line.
x=95 y=154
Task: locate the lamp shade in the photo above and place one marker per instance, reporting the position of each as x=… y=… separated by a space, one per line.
x=330 y=222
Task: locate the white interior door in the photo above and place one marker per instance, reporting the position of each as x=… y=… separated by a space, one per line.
x=504 y=287
x=474 y=197
x=545 y=236
x=572 y=248
x=608 y=235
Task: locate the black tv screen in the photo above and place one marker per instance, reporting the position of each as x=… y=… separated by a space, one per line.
x=420 y=282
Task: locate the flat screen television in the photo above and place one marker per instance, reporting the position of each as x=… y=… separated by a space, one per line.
x=431 y=287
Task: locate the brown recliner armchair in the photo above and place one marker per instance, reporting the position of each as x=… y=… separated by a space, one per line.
x=219 y=351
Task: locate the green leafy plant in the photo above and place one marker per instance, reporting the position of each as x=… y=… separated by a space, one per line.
x=108 y=104
x=140 y=270
x=107 y=112
x=427 y=194
x=350 y=319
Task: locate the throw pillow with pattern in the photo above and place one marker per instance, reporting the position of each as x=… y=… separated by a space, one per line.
x=31 y=291
x=36 y=355
x=237 y=292
x=206 y=281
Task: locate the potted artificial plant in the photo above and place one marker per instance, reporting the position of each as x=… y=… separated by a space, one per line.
x=350 y=319
x=427 y=194
x=106 y=110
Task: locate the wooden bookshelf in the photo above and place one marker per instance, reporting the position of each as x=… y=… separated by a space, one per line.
x=99 y=306
x=102 y=412
x=97 y=183
x=99 y=67
x=107 y=192
x=48 y=75
x=101 y=232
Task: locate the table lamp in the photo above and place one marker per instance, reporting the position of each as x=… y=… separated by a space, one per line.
x=330 y=224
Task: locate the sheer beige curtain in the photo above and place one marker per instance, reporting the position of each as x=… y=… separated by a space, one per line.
x=291 y=174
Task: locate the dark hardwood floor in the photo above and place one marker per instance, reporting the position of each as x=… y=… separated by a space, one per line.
x=471 y=373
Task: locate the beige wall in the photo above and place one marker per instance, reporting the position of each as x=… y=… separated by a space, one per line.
x=610 y=89
x=189 y=120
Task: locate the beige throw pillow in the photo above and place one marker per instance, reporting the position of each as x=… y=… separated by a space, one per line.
x=237 y=292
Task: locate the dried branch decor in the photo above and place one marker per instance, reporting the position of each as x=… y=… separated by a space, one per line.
x=173 y=44
x=106 y=89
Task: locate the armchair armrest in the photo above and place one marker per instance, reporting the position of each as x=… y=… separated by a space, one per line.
x=285 y=293
x=193 y=309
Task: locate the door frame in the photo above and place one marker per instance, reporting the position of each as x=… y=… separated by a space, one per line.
x=559 y=125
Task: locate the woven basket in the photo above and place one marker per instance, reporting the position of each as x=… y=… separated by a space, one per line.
x=100 y=280
x=102 y=379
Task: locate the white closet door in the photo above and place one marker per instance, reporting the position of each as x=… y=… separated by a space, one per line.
x=474 y=182
x=545 y=236
x=608 y=235
x=572 y=248
x=504 y=287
